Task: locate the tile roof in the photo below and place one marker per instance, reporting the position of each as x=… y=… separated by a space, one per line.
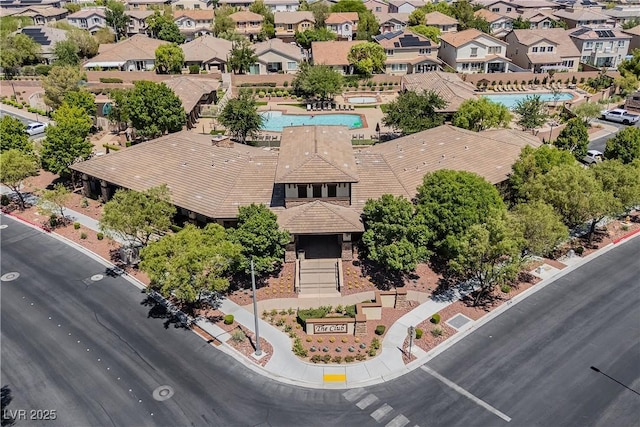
x=205 y=48
x=564 y=45
x=586 y=33
x=404 y=39
x=320 y=217
x=139 y=14
x=341 y=17
x=316 y=154
x=383 y=17
x=414 y=3
x=463 y=37
x=534 y=15
x=581 y=15
x=293 y=17
x=190 y=90
x=278 y=46
x=196 y=15
x=438 y=18
x=332 y=52
x=137 y=47
x=635 y=31
x=88 y=12
x=42 y=11
x=246 y=16
x=488 y=15
x=448 y=85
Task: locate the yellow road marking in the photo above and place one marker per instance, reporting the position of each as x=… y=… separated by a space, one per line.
x=334 y=378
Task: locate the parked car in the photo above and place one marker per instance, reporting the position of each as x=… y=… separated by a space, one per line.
x=593 y=156
x=35 y=128
x=621 y=116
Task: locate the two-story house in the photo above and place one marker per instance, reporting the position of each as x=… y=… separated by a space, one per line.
x=601 y=47
x=282 y=5
x=504 y=7
x=247 y=23
x=193 y=23
x=405 y=6
x=635 y=37
x=472 y=51
x=46 y=37
x=90 y=19
x=542 y=50
x=376 y=6
x=137 y=53
x=236 y=4
x=334 y=54
x=539 y=19
x=137 y=21
x=623 y=14
x=41 y=15
x=145 y=4
x=343 y=24
x=391 y=22
x=288 y=23
x=207 y=52
x=499 y=25
x=408 y=53
x=192 y=5
x=444 y=23
x=276 y=57
x=575 y=18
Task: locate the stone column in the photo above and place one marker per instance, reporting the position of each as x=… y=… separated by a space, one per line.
x=193 y=218
x=104 y=191
x=401 y=298
x=86 y=185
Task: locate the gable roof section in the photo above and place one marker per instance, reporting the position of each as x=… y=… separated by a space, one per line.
x=342 y=17
x=88 y=12
x=206 y=48
x=332 y=52
x=488 y=15
x=320 y=217
x=414 y=3
x=280 y=47
x=586 y=33
x=311 y=154
x=463 y=37
x=439 y=18
x=384 y=17
x=137 y=47
x=190 y=89
x=196 y=15
x=403 y=39
x=293 y=17
x=635 y=31
x=448 y=85
x=558 y=36
x=139 y=14
x=246 y=16
x=581 y=15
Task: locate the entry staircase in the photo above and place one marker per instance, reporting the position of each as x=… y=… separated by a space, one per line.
x=319 y=278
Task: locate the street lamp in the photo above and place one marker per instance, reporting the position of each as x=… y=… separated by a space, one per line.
x=378 y=130
x=258 y=352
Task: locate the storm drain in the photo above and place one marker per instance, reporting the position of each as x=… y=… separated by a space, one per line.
x=458 y=321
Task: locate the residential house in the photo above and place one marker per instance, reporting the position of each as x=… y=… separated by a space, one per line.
x=334 y=54
x=194 y=93
x=137 y=53
x=635 y=37
x=208 y=52
x=343 y=24
x=376 y=6
x=575 y=18
x=282 y=5
x=391 y=22
x=247 y=23
x=542 y=50
x=288 y=23
x=408 y=53
x=499 y=25
x=138 y=21
x=449 y=86
x=91 y=19
x=508 y=6
x=192 y=5
x=539 y=19
x=405 y=6
x=472 y=51
x=601 y=47
x=623 y=14
x=19 y=4
x=46 y=37
x=444 y=23
x=41 y=15
x=237 y=4
x=193 y=23
x=145 y=4
x=276 y=56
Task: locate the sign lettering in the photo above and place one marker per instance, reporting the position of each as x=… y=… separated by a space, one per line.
x=330 y=329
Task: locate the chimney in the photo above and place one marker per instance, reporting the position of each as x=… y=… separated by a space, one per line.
x=222 y=141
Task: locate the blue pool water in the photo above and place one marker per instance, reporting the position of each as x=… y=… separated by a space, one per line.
x=511 y=100
x=275 y=120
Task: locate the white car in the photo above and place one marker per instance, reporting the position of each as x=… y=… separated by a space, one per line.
x=619 y=115
x=35 y=128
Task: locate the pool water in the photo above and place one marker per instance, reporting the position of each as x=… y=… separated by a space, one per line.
x=276 y=120
x=363 y=99
x=511 y=100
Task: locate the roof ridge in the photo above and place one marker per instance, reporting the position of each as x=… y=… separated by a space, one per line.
x=384 y=158
x=336 y=210
x=334 y=165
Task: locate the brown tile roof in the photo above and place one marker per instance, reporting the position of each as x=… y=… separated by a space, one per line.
x=376 y=178
x=88 y=12
x=44 y=11
x=311 y=154
x=205 y=48
x=210 y=180
x=139 y=14
x=558 y=36
x=332 y=52
x=448 y=85
x=414 y=3
x=191 y=90
x=488 y=15
x=463 y=37
x=635 y=31
x=389 y=43
x=277 y=45
x=534 y=15
x=293 y=17
x=438 y=18
x=386 y=17
x=592 y=35
x=137 y=47
x=246 y=16
x=320 y=217
x=342 y=17
x=581 y=15
x=196 y=15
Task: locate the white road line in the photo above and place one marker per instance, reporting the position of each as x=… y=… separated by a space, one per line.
x=370 y=399
x=354 y=394
x=399 y=421
x=465 y=393
x=381 y=412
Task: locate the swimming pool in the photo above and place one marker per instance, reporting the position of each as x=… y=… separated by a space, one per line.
x=276 y=120
x=362 y=99
x=511 y=100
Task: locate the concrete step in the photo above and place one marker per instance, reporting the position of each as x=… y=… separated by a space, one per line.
x=318 y=295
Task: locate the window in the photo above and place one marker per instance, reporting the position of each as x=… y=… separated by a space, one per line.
x=474 y=52
x=546 y=24
x=542 y=48
x=274 y=67
x=465 y=66
x=290 y=27
x=549 y=48
x=317 y=191
x=196 y=6
x=292 y=65
x=389 y=52
x=621 y=43
x=598 y=45
x=588 y=45
x=568 y=64
x=495 y=9
x=424 y=51
x=534 y=49
x=180 y=7
x=509 y=9
x=302 y=191
x=332 y=190
x=495 y=49
x=398 y=67
x=378 y=9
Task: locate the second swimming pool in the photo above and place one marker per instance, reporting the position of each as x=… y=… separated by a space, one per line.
x=276 y=120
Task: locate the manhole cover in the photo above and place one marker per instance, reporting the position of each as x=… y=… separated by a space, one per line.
x=458 y=321
x=163 y=392
x=10 y=276
x=97 y=277
x=3 y=226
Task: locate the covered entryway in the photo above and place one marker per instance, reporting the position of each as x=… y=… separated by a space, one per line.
x=318 y=246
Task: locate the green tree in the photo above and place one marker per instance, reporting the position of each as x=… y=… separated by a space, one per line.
x=169 y=59
x=631 y=24
x=118 y=113
x=116 y=18
x=623 y=180
x=242 y=57
x=367 y=58
x=161 y=26
x=82 y=99
x=11 y=24
x=521 y=24
x=320 y=12
x=412 y=112
x=319 y=80
x=624 y=146
x=626 y=84
x=13 y=135
x=488 y=256
x=60 y=81
x=66 y=53
x=54 y=201
x=187 y=264
x=240 y=117
x=137 y=216
x=17 y=50
x=223 y=22
x=540 y=226
x=416 y=18
x=268 y=28
x=368 y=26
x=348 y=6
x=72 y=7
x=465 y=14
x=450 y=202
x=87 y=45
x=15 y=167
x=531 y=111
x=261 y=239
x=66 y=142
x=574 y=138
x=393 y=238
x=154 y=109
x=432 y=33
x=480 y=114
x=306 y=37
x=104 y=36
x=587 y=111
x=631 y=65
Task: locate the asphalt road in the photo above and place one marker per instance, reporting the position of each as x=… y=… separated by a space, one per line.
x=530 y=365
x=600 y=143
x=26 y=121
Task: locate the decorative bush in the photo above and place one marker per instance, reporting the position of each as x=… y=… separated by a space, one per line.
x=285 y=84
x=332 y=339
x=380 y=329
x=282 y=312
x=337 y=359
x=280 y=322
x=344 y=339
x=238 y=336
x=42 y=69
x=419 y=333
x=83 y=235
x=291 y=311
x=273 y=312
x=580 y=250
x=100 y=236
x=194 y=69
x=436 y=332
x=313 y=349
x=298 y=348
x=435 y=319
x=325 y=349
x=76 y=225
x=338 y=349
x=375 y=343
x=261 y=94
x=357 y=340
x=316 y=358
x=360 y=357
x=350 y=311
x=309 y=339
x=340 y=309
x=505 y=288
x=228 y=319
x=326 y=358
x=5 y=200
x=110 y=80
x=319 y=340
x=287 y=328
x=348 y=359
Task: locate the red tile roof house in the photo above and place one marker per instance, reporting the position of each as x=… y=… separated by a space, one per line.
x=343 y=24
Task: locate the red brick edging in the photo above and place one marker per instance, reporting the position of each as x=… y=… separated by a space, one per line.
x=629 y=234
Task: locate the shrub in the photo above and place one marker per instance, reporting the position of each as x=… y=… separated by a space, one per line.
x=312 y=313
x=340 y=309
x=580 y=250
x=42 y=69
x=505 y=288
x=274 y=312
x=360 y=357
x=298 y=348
x=291 y=311
x=337 y=359
x=292 y=334
x=332 y=339
x=110 y=80
x=53 y=220
x=84 y=203
x=280 y=322
x=316 y=358
x=326 y=358
x=436 y=332
x=261 y=94
x=287 y=328
x=83 y=235
x=348 y=359
x=5 y=200
x=435 y=319
x=380 y=329
x=350 y=311
x=283 y=312
x=319 y=340
x=194 y=69
x=228 y=319
x=419 y=333
x=309 y=339
x=344 y=339
x=375 y=343
x=238 y=336
x=285 y=84
x=76 y=225
x=100 y=235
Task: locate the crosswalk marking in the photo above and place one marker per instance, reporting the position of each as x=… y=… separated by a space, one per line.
x=354 y=394
x=399 y=421
x=381 y=412
x=369 y=400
